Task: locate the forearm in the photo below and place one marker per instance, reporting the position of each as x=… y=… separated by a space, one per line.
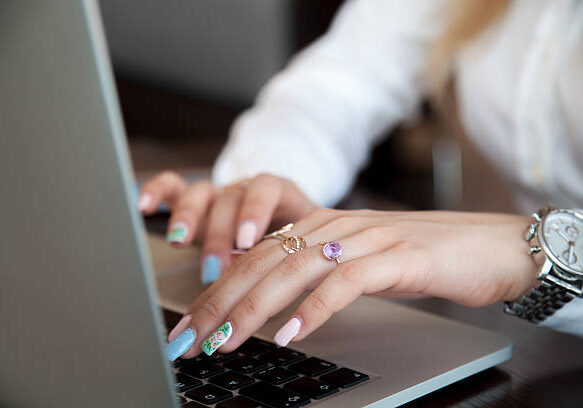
x=315 y=122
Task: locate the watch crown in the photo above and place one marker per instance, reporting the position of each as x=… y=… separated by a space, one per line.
x=535 y=250
x=530 y=232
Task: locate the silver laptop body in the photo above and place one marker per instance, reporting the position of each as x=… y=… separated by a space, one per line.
x=80 y=323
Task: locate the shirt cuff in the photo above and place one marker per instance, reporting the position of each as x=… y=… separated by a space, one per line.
x=568 y=319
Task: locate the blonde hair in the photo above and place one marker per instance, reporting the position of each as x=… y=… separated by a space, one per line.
x=468 y=19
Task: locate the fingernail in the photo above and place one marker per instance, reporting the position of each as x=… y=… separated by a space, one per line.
x=217 y=339
x=211 y=269
x=180 y=326
x=246 y=234
x=288 y=331
x=180 y=344
x=178 y=233
x=238 y=251
x=144 y=202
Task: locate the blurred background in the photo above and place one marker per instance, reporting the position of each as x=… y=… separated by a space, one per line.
x=186 y=69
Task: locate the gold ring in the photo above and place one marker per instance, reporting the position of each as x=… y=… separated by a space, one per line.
x=293 y=244
x=279 y=233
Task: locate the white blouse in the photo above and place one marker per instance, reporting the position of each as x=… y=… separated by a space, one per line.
x=518 y=83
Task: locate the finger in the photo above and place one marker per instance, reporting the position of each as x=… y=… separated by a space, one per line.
x=188 y=213
x=342 y=287
x=240 y=278
x=165 y=187
x=289 y=280
x=220 y=235
x=259 y=202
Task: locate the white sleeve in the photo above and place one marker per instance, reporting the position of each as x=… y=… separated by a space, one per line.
x=316 y=121
x=568 y=319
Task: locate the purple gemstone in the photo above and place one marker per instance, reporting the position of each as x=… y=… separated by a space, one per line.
x=333 y=250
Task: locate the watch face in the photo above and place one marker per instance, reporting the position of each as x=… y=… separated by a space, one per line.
x=562 y=240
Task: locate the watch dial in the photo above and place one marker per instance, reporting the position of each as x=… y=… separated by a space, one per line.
x=563 y=236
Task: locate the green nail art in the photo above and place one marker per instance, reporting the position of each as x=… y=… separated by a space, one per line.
x=178 y=233
x=217 y=339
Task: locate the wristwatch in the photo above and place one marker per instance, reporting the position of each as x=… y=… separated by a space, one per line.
x=558 y=235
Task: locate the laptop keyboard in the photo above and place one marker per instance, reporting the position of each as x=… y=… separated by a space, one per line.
x=260 y=374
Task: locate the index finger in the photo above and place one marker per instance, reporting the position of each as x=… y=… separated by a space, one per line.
x=164 y=187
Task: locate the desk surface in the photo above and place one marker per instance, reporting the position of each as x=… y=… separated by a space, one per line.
x=546 y=370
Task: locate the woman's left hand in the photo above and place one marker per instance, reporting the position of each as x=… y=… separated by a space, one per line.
x=470 y=258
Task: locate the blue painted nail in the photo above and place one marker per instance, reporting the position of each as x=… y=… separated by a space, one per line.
x=180 y=344
x=211 y=270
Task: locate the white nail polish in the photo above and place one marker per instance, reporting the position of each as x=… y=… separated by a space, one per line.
x=144 y=202
x=246 y=234
x=288 y=331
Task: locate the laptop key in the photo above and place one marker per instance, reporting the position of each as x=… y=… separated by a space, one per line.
x=311 y=388
x=231 y=380
x=274 y=396
x=282 y=356
x=208 y=394
x=245 y=364
x=193 y=404
x=344 y=377
x=186 y=382
x=181 y=400
x=240 y=402
x=181 y=362
x=275 y=375
x=201 y=369
x=313 y=367
x=254 y=346
x=219 y=357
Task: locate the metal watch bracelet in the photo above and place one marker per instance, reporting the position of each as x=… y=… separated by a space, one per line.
x=553 y=292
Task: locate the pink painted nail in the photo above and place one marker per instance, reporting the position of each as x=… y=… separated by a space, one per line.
x=144 y=202
x=288 y=331
x=180 y=327
x=246 y=234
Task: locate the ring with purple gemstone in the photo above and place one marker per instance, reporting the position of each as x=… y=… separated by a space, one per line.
x=332 y=251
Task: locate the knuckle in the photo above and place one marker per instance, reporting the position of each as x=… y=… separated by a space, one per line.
x=169 y=176
x=342 y=221
x=320 y=212
x=319 y=302
x=253 y=265
x=212 y=307
x=265 y=177
x=377 y=233
x=294 y=263
x=254 y=207
x=404 y=245
x=251 y=305
x=350 y=273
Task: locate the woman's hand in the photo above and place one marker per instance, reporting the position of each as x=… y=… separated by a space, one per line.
x=240 y=212
x=472 y=259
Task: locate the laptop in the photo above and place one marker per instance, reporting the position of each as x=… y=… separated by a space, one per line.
x=79 y=305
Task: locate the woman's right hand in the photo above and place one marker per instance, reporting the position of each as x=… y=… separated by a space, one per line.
x=235 y=215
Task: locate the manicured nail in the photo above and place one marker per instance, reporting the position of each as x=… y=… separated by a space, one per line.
x=178 y=233
x=144 y=202
x=246 y=234
x=180 y=344
x=211 y=269
x=288 y=331
x=217 y=339
x=180 y=326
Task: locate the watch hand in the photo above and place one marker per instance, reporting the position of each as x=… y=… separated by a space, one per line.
x=562 y=235
x=571 y=252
